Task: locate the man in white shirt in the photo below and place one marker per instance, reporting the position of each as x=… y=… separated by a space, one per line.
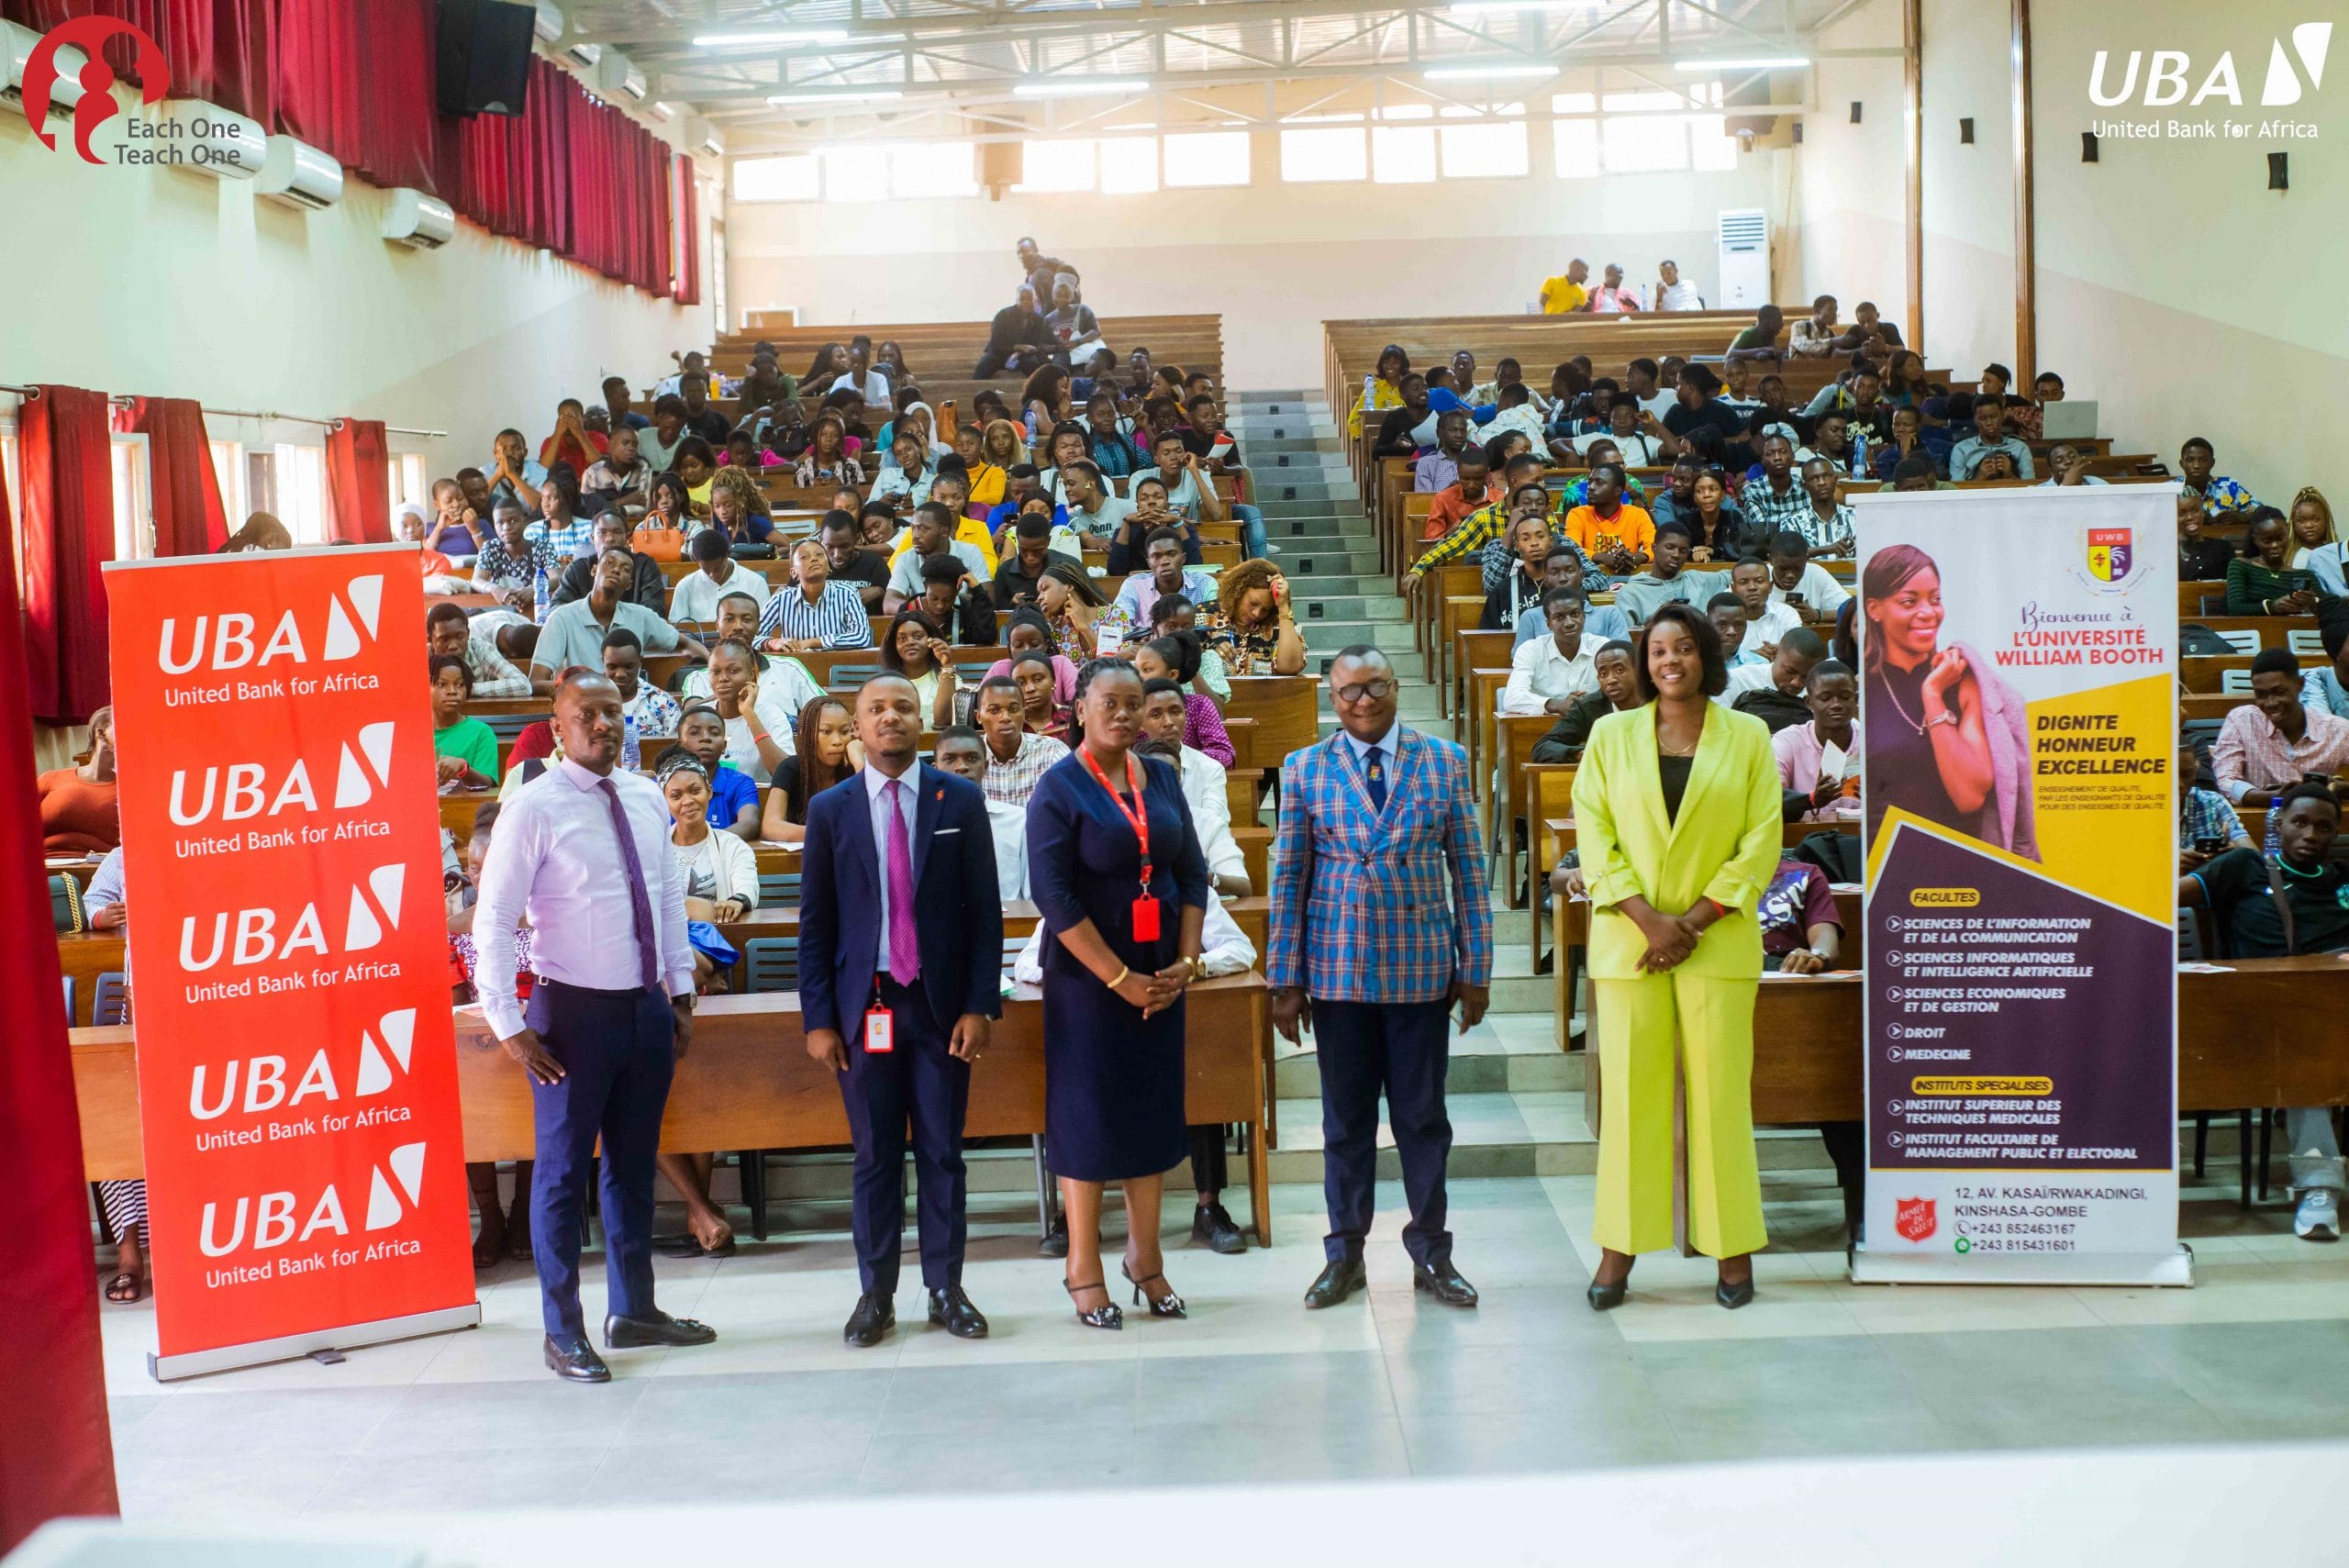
x=1765 y=622
x=447 y=632
x=1815 y=335
x=575 y=633
x=737 y=621
x=608 y=944
x=1092 y=510
x=1800 y=583
x=694 y=600
x=1788 y=669
x=961 y=751
x=1673 y=293
x=1548 y=674
x=932 y=533
x=1188 y=491
x=1203 y=786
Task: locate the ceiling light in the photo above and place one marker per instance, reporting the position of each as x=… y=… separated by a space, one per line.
x=746 y=41
x=1076 y=86
x=1789 y=62
x=1485 y=72
x=878 y=95
x=1496 y=7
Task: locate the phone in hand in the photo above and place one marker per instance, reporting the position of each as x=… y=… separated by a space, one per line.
x=2210 y=844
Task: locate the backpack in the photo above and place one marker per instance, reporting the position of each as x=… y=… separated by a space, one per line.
x=1837 y=854
x=1773 y=708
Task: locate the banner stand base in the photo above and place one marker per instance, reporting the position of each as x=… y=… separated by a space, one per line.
x=349 y=1336
x=1912 y=1266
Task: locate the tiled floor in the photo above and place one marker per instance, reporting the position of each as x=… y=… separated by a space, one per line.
x=1254 y=1388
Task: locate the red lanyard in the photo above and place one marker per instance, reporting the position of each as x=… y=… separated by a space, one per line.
x=1138 y=818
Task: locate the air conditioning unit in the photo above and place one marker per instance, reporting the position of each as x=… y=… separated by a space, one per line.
x=212 y=140
x=1745 y=259
x=17 y=44
x=419 y=221
x=583 y=55
x=701 y=136
x=299 y=175
x=617 y=78
x=549 y=24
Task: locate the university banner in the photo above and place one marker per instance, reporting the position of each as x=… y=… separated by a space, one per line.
x=281 y=831
x=2018 y=716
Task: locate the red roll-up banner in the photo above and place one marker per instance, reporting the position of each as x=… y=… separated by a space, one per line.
x=281 y=833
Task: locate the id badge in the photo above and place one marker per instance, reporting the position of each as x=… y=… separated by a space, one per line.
x=880 y=1031
x=1145 y=918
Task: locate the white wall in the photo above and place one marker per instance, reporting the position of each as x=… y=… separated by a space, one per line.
x=167 y=283
x=1844 y=228
x=1274 y=260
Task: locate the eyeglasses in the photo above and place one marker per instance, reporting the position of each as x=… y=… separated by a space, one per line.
x=1373 y=691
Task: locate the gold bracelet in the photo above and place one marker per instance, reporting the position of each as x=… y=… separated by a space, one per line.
x=1123 y=971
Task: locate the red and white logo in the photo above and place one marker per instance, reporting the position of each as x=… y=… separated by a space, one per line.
x=1914 y=1219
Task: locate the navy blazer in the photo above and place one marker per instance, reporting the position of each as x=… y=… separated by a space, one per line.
x=958 y=912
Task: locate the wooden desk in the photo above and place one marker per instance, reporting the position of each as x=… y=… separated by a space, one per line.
x=747 y=1084
x=1287 y=712
x=83 y=957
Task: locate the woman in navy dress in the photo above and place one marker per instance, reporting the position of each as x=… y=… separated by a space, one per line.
x=1113 y=997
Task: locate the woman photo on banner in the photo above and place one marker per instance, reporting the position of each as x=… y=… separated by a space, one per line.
x=1947 y=738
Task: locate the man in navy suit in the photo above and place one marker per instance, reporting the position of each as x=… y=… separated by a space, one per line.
x=901 y=972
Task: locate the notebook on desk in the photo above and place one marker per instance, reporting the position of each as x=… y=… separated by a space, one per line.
x=2068 y=421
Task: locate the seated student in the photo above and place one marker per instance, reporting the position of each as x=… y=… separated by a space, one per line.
x=654 y=710
x=2207 y=826
x=2067 y=465
x=1219 y=454
x=1472 y=487
x=1728 y=616
x=1028 y=629
x=733 y=794
x=1833 y=698
x=738 y=619
x=2299 y=904
x=1019 y=570
x=850 y=564
x=916 y=647
x=758 y=697
x=648 y=585
x=1163 y=555
x=1565 y=567
x=738 y=508
x=448 y=632
x=1441 y=465
x=621 y=478
x=513 y=476
x=1619 y=691
x=1016 y=755
x=511 y=562
x=1164 y=714
x=2218 y=493
x=1833 y=439
x=1108 y=446
x=2259 y=582
x=1667 y=581
x=409 y=526
x=2274 y=742
x=694 y=600
x=1405 y=405
x=1676 y=502
x=959 y=607
x=1765 y=622
x=1799 y=584
x=1177 y=658
x=1189 y=491
x=2325 y=689
x=1618 y=535
x=813 y=613
x=1989 y=435
x=1515 y=411
x=457 y=531
x=1252 y=626
x=1907 y=440
x=1773 y=692
x=930 y=536
x=2317 y=546
x=1550 y=674
x=575 y=633
x=1176 y=612
x=1021 y=480
x=660 y=441
x=962 y=752
x=1531 y=546
x=464 y=748
x=1774 y=498
x=1486 y=524
x=1824 y=521
x=824 y=752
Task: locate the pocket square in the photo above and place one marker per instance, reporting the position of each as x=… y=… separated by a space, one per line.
x=942 y=832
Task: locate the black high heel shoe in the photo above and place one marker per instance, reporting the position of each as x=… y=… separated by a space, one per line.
x=1106 y=1316
x=1734 y=1295
x=1167 y=1306
x=1608 y=1298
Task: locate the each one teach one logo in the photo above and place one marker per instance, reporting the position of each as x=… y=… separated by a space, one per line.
x=2108 y=554
x=1914 y=1218
x=96 y=105
x=2160 y=78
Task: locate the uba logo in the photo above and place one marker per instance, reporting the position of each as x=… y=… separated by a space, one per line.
x=2165 y=78
x=227 y=641
x=259 y=1082
x=261 y=936
x=243 y=790
x=96 y=105
x=269 y=1219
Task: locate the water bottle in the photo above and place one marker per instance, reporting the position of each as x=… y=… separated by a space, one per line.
x=629 y=756
x=542 y=601
x=1859 y=454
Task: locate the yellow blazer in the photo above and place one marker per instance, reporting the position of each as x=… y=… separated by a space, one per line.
x=1725 y=845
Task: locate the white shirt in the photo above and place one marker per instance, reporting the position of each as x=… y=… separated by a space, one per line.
x=1524 y=419
x=1538 y=672
x=695 y=596
x=905 y=576
x=1818 y=589
x=1224 y=948
x=1776 y=619
x=555 y=858
x=1744 y=678
x=720 y=867
x=1204 y=788
x=1010 y=824
x=1681 y=295
x=784 y=690
x=877 y=796
x=1638 y=450
x=874 y=387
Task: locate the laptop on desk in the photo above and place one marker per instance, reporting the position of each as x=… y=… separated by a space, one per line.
x=2070 y=420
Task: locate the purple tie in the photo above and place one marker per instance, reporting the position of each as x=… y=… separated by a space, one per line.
x=639 y=904
x=905 y=951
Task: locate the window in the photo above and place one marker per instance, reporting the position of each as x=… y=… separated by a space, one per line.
x=796 y=179
x=1402 y=154
x=1575 y=143
x=856 y=173
x=133 y=518
x=1335 y=153
x=228 y=473
x=1129 y=164
x=1207 y=158
x=934 y=169
x=408 y=481
x=296 y=482
x=1491 y=149
x=1639 y=137
x=1056 y=166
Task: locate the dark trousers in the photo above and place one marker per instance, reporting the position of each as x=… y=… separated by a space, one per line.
x=1022 y=357
x=917 y=1081
x=617 y=1050
x=1398 y=1047
x=1208 y=1173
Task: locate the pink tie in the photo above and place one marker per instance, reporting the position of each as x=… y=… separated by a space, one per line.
x=905 y=951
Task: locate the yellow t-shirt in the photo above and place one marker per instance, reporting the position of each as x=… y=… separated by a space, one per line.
x=967 y=531
x=1561 y=294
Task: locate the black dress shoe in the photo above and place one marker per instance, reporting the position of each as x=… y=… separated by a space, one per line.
x=1341 y=1277
x=1213 y=1226
x=1608 y=1298
x=1441 y=1280
x=1734 y=1295
x=876 y=1315
x=952 y=1310
x=1055 y=1241
x=660 y=1328
x=575 y=1360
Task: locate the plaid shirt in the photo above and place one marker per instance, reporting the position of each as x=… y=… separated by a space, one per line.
x=2220 y=493
x=2207 y=815
x=1358 y=906
x=1478 y=529
x=1012 y=783
x=2251 y=753
x=837 y=617
x=568 y=541
x=1772 y=513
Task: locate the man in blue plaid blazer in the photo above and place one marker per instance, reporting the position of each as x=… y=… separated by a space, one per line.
x=1366 y=951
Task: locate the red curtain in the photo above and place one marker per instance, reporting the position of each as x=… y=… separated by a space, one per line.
x=687 y=286
x=189 y=516
x=359 y=480
x=219 y=50
x=67 y=484
x=316 y=66
x=56 y=1449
